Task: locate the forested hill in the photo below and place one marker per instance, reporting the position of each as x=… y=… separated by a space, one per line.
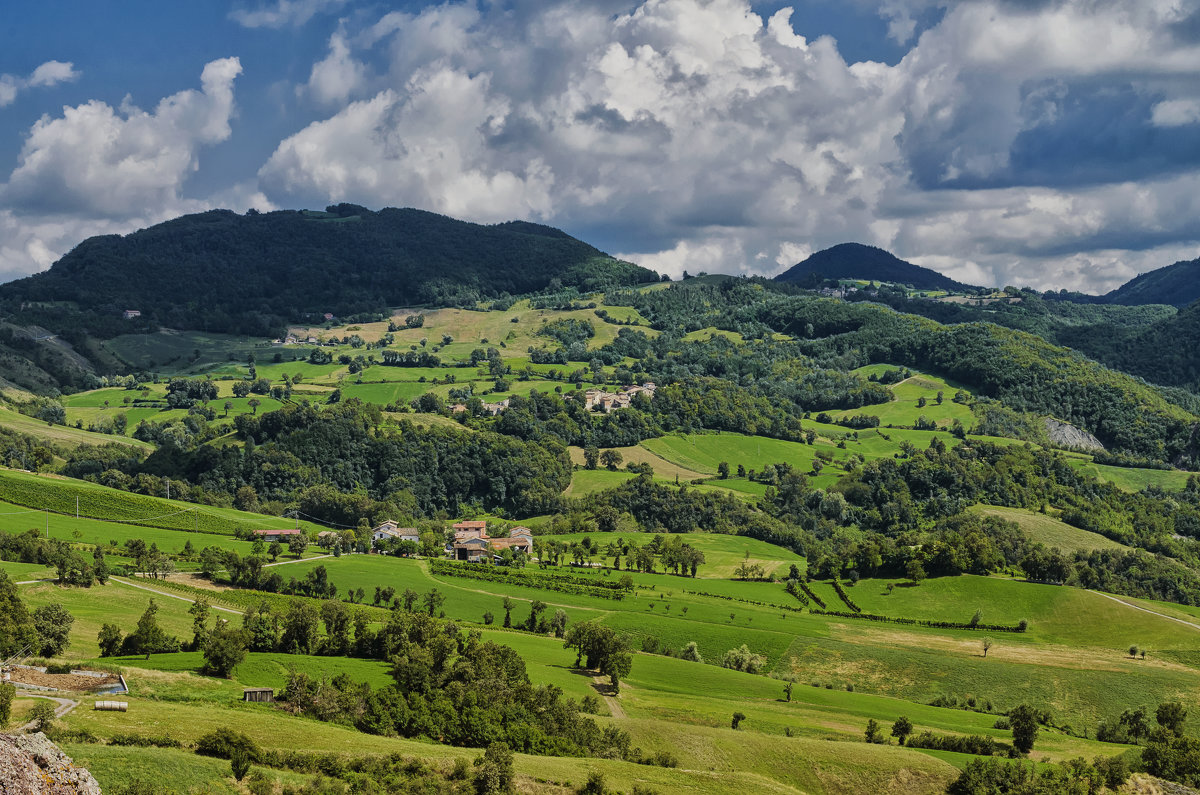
x=856 y=261
x=1177 y=285
x=251 y=274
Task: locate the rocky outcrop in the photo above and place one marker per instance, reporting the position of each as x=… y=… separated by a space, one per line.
x=32 y=765
x=1065 y=435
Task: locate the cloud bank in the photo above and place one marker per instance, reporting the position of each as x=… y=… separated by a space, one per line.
x=1049 y=143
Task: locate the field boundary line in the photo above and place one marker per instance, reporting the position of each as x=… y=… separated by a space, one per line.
x=1146 y=610
x=173 y=595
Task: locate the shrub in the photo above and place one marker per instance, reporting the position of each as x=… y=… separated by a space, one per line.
x=223 y=742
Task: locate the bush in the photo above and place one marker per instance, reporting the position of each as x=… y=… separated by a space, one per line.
x=742 y=659
x=223 y=742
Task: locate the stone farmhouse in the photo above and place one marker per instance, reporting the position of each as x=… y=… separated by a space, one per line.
x=390 y=529
x=472 y=543
x=599 y=400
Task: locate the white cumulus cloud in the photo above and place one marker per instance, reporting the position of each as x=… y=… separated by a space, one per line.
x=48 y=74
x=283 y=13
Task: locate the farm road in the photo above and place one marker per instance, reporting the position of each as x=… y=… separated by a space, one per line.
x=65 y=705
x=1151 y=612
x=171 y=595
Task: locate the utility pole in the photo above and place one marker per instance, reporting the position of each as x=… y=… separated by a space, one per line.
x=77 y=506
x=47 y=512
x=168 y=488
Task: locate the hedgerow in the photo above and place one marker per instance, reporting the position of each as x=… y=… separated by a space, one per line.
x=922 y=622
x=548 y=581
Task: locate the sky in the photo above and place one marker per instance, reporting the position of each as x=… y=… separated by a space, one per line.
x=1053 y=144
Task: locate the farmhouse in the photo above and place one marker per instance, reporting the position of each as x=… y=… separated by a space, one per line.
x=390 y=529
x=278 y=535
x=471 y=541
x=130 y=314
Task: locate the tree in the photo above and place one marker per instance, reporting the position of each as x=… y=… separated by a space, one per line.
x=149 y=638
x=239 y=762
x=1133 y=650
x=691 y=652
x=494 y=770
x=299 y=628
x=1171 y=716
x=723 y=470
x=42 y=716
x=53 y=624
x=1023 y=720
x=787 y=690
x=1135 y=723
x=275 y=550
x=199 y=612
x=17 y=629
x=591 y=455
x=872 y=732
x=987 y=644
x=297 y=544
x=110 y=640
x=902 y=728
x=8 y=692
x=535 y=609
x=603 y=649
x=224 y=650
x=433 y=600
x=915 y=571
x=508 y=604
x=409 y=599
x=611 y=459
x=742 y=659
x=254 y=403
x=738 y=717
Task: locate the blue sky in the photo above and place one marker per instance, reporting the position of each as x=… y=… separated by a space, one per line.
x=1050 y=143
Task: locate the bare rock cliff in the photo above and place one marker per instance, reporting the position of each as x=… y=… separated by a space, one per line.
x=32 y=765
x=1065 y=435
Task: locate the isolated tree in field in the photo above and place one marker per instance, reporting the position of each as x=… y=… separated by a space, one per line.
x=987 y=644
x=433 y=600
x=253 y=403
x=915 y=571
x=902 y=728
x=275 y=550
x=228 y=406
x=297 y=544
x=1133 y=650
x=8 y=692
x=742 y=659
x=723 y=470
x=591 y=456
x=738 y=717
x=224 y=650
x=1023 y=720
x=508 y=605
x=691 y=652
x=921 y=402
x=787 y=690
x=109 y=640
x=611 y=459
x=1171 y=716
x=872 y=731
x=53 y=624
x=199 y=612
x=602 y=648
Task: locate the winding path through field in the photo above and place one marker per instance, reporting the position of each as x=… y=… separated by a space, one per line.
x=172 y=595
x=614 y=706
x=1145 y=610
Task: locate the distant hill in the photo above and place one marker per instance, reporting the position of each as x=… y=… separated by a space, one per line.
x=253 y=273
x=1177 y=285
x=856 y=261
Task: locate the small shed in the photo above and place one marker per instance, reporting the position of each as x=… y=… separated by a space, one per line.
x=258 y=694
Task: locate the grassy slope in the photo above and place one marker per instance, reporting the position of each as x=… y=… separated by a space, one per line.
x=722 y=553
x=1050 y=531
x=60 y=434
x=903 y=411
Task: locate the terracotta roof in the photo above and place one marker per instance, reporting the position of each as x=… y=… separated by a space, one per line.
x=288 y=531
x=472 y=524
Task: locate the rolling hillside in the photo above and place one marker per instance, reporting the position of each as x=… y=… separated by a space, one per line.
x=856 y=261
